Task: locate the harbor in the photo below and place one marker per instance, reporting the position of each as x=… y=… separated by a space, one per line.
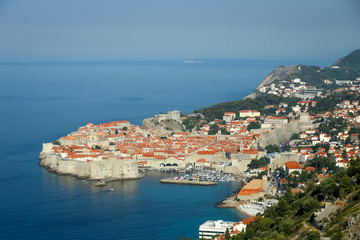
x=203 y=177
x=187 y=182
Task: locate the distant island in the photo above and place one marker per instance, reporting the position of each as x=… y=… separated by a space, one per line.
x=295 y=141
x=193 y=61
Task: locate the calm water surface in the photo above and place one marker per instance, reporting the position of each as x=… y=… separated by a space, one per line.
x=44 y=101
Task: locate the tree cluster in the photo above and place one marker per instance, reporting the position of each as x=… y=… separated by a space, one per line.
x=286 y=220
x=257 y=163
x=272 y=148
x=258 y=103
x=215 y=128
x=254 y=125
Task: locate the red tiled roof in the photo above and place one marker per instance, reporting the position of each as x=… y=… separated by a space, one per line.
x=250 y=151
x=248 y=220
x=293 y=165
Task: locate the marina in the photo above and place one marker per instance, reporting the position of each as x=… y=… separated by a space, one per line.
x=202 y=177
x=206 y=175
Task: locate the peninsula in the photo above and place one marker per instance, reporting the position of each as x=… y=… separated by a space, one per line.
x=296 y=140
x=224 y=137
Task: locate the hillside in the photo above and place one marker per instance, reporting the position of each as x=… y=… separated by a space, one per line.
x=258 y=103
x=350 y=61
x=333 y=205
x=279 y=74
x=345 y=224
x=346 y=68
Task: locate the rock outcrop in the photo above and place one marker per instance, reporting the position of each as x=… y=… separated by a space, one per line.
x=278 y=74
x=170 y=125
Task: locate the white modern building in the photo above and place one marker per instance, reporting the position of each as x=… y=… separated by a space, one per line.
x=211 y=228
x=249 y=113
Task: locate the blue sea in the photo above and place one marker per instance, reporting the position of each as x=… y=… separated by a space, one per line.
x=40 y=102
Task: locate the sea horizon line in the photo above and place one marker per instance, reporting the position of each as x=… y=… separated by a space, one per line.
x=137 y=61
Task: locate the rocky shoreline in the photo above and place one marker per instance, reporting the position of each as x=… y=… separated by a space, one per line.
x=232 y=202
x=229 y=202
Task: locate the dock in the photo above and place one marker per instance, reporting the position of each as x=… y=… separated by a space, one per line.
x=187 y=182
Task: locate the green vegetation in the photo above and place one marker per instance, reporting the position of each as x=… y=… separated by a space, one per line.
x=319 y=162
x=292 y=181
x=272 y=148
x=191 y=122
x=259 y=176
x=335 y=126
x=295 y=136
x=257 y=163
x=315 y=76
x=258 y=103
x=254 y=125
x=321 y=145
x=293 y=215
x=329 y=103
x=215 y=128
x=227 y=234
x=56 y=142
x=312 y=75
x=340 y=220
x=351 y=61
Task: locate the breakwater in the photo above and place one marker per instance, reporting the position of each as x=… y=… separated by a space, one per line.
x=188 y=182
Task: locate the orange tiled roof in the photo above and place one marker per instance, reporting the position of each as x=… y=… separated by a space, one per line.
x=293 y=165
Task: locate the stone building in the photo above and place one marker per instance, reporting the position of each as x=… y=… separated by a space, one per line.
x=171 y=115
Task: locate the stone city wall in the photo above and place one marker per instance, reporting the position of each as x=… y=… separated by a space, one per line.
x=280 y=159
x=283 y=132
x=111 y=169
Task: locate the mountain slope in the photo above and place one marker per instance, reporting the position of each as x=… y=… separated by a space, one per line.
x=278 y=74
x=350 y=61
x=345 y=68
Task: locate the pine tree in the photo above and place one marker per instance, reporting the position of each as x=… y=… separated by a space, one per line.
x=227 y=234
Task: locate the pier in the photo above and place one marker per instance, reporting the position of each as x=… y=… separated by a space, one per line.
x=187 y=182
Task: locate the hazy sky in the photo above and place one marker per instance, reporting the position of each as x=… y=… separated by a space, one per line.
x=48 y=30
